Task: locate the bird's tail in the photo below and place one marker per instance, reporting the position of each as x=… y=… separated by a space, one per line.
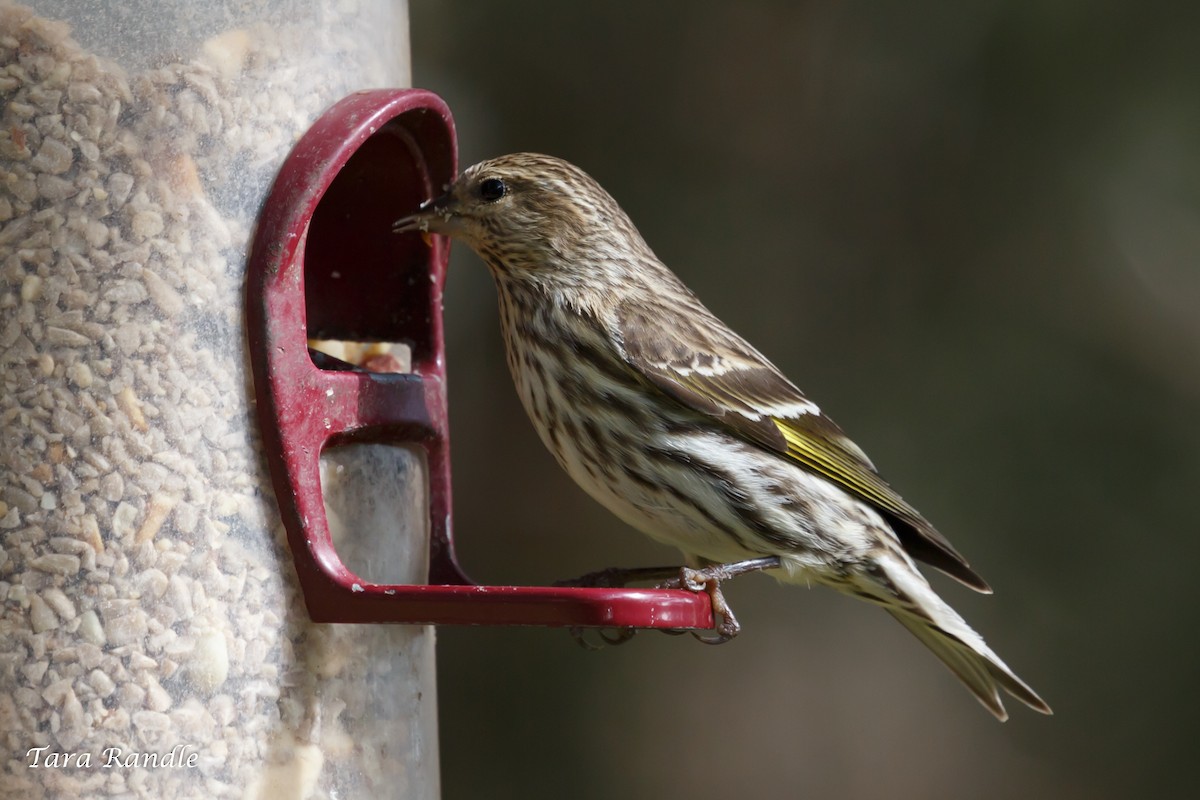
x=894 y=583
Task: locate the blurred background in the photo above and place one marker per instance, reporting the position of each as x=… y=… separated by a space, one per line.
x=970 y=232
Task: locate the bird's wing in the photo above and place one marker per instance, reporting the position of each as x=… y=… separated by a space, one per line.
x=699 y=362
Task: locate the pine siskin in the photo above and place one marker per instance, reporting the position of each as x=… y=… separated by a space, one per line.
x=678 y=426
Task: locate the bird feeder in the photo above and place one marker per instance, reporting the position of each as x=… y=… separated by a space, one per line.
x=324 y=270
x=173 y=534
x=154 y=638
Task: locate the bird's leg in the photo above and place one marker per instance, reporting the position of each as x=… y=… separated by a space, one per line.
x=724 y=572
x=709 y=580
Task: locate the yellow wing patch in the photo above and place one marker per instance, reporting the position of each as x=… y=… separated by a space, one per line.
x=842 y=467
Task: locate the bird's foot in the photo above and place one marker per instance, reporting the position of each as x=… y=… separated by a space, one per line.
x=608 y=637
x=709 y=580
x=699 y=580
x=613 y=578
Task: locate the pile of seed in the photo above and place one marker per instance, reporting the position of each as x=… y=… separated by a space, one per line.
x=147 y=596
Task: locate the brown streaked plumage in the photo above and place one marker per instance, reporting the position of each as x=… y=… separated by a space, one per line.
x=678 y=425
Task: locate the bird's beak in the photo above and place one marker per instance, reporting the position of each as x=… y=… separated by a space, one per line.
x=434 y=216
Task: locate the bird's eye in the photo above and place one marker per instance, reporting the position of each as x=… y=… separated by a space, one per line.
x=492 y=189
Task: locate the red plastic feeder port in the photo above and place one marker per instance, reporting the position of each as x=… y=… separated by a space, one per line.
x=324 y=264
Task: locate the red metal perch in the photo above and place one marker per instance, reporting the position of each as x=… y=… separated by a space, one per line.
x=324 y=264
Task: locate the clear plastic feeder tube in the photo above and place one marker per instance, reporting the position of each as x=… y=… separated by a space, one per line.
x=153 y=642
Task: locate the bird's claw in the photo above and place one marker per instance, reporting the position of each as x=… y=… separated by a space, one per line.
x=615 y=637
x=708 y=580
x=611 y=578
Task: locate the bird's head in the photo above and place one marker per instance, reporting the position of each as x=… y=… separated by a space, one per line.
x=529 y=216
